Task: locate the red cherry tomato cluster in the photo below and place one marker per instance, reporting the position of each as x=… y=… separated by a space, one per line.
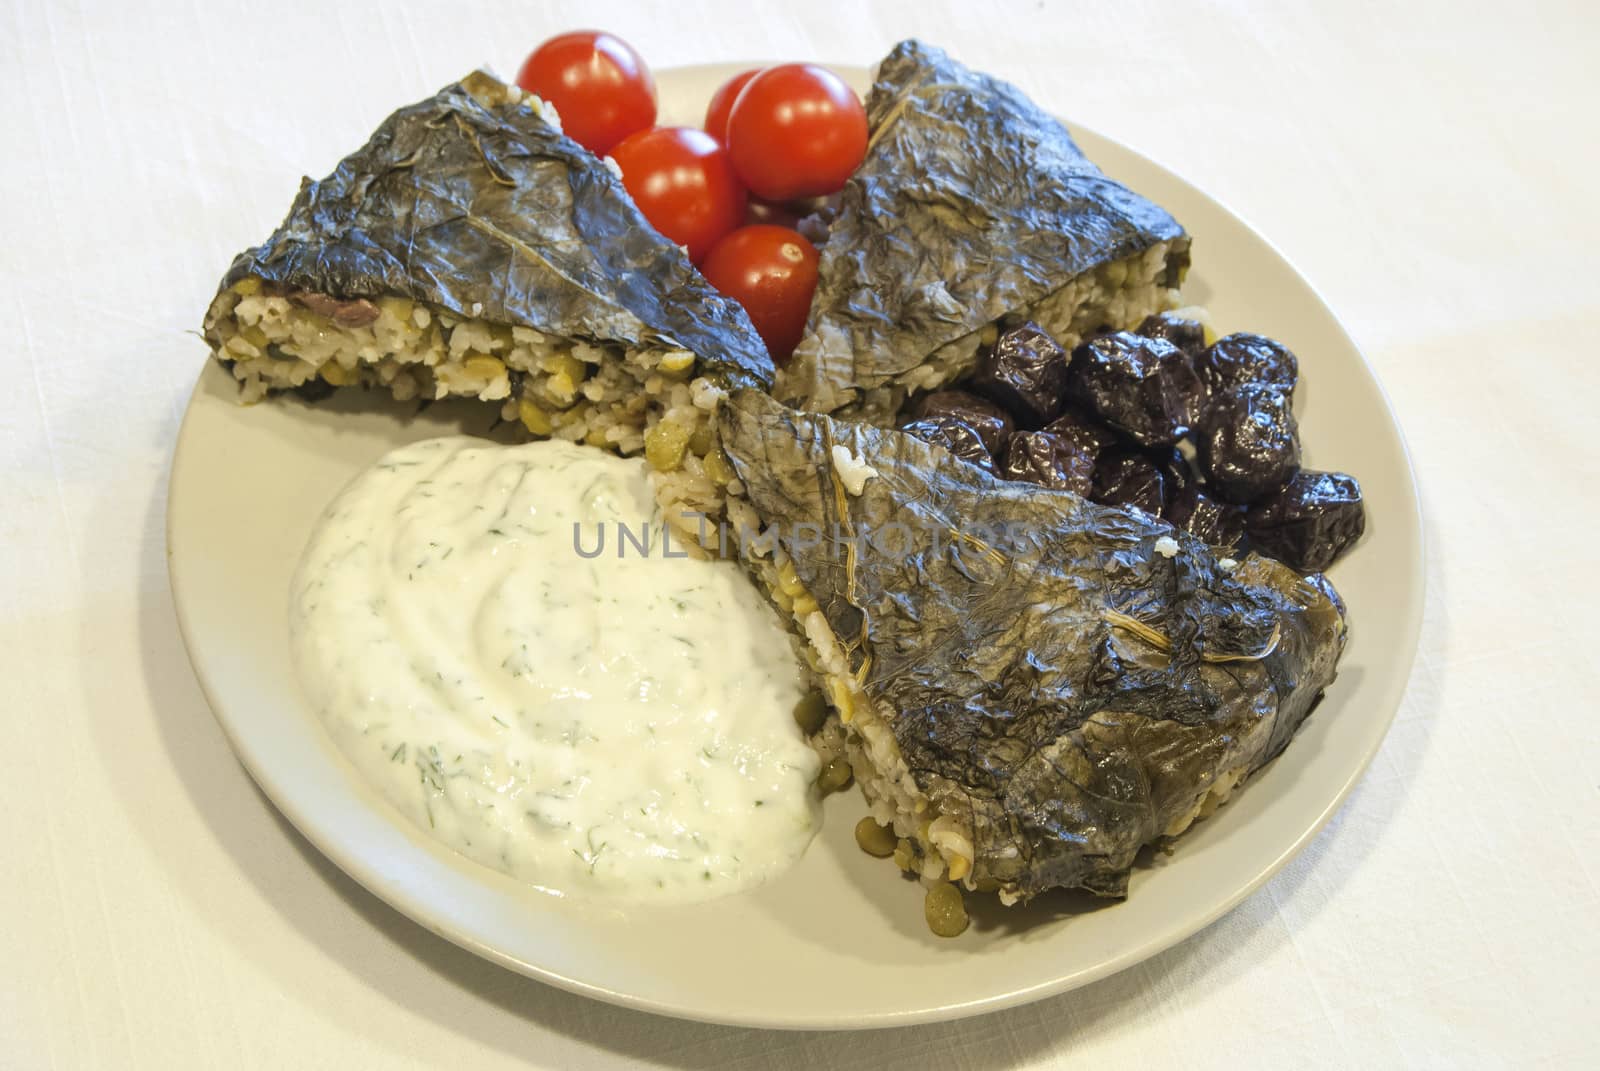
x=773 y=137
x=683 y=182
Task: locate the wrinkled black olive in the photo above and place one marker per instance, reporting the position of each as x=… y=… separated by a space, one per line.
x=1307 y=525
x=1193 y=508
x=1082 y=430
x=1178 y=473
x=1245 y=359
x=987 y=419
x=1188 y=335
x=1049 y=461
x=1128 y=478
x=1251 y=444
x=1025 y=372
x=1217 y=523
x=957 y=436
x=1146 y=388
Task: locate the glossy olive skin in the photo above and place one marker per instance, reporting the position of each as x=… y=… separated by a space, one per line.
x=1188 y=335
x=1146 y=388
x=1190 y=508
x=1115 y=414
x=1049 y=461
x=1310 y=522
x=1251 y=443
x=991 y=422
x=1083 y=430
x=957 y=436
x=1177 y=471
x=1024 y=372
x=1124 y=477
x=1244 y=359
x=1213 y=522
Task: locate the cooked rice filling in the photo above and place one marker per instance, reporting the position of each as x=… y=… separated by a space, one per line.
x=626 y=400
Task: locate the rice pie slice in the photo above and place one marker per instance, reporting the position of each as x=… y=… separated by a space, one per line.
x=1030 y=687
x=470 y=249
x=973 y=207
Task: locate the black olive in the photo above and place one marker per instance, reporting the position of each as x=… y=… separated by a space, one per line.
x=1313 y=520
x=1219 y=524
x=1128 y=478
x=1082 y=430
x=1190 y=508
x=1025 y=372
x=1049 y=461
x=1188 y=335
x=959 y=437
x=1250 y=447
x=987 y=419
x=1146 y=388
x=1244 y=359
x=1180 y=476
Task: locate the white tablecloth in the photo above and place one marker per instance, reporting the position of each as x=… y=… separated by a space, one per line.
x=1429 y=167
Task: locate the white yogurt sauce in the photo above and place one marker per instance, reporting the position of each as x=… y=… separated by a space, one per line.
x=614 y=727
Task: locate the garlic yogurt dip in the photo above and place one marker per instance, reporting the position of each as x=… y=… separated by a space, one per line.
x=615 y=727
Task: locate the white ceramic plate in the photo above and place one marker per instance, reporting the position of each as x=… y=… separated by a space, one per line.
x=839 y=940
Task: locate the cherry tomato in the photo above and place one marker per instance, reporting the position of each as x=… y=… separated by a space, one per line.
x=796 y=131
x=683 y=182
x=772 y=272
x=597 y=82
x=722 y=103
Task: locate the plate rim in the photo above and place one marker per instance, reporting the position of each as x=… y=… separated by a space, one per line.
x=396 y=895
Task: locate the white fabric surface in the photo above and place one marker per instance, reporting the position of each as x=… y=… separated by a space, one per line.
x=1429 y=165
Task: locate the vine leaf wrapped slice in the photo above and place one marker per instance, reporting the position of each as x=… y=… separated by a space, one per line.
x=1032 y=686
x=972 y=205
x=471 y=249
